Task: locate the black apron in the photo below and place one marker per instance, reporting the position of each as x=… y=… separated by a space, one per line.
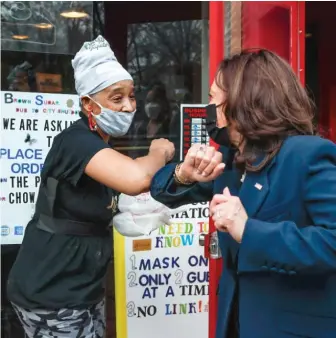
x=47 y=222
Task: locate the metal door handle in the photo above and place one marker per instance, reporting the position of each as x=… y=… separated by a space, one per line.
x=202 y=239
x=210 y=244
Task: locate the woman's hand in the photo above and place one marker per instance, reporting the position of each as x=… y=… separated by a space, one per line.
x=229 y=214
x=201 y=164
x=164 y=146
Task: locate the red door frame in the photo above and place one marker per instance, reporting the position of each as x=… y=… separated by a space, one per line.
x=216 y=54
x=302 y=41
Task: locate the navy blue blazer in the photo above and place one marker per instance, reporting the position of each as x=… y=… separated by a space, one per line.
x=286 y=264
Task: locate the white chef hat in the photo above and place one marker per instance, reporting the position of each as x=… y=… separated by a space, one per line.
x=96 y=67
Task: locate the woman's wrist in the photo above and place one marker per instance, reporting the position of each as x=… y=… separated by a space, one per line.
x=179 y=177
x=160 y=153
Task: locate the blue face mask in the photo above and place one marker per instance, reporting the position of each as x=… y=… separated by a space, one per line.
x=112 y=122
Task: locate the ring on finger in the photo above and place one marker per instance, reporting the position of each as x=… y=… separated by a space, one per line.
x=218 y=214
x=231 y=217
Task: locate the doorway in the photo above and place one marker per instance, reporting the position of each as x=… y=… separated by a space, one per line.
x=320 y=63
x=164 y=45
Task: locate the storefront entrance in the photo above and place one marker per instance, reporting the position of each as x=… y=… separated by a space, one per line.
x=164 y=45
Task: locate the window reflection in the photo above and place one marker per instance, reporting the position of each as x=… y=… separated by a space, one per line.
x=43 y=26
x=42 y=62
x=158 y=115
x=165 y=60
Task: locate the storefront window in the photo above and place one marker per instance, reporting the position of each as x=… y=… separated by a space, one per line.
x=164 y=45
x=165 y=60
x=38 y=41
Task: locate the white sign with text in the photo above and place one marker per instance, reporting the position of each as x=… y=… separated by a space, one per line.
x=29 y=122
x=167 y=279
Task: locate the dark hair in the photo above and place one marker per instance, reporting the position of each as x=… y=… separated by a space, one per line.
x=158 y=94
x=158 y=89
x=266 y=102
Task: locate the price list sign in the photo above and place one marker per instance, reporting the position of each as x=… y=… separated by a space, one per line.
x=193 y=126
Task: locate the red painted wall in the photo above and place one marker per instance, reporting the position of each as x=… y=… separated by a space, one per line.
x=266 y=26
x=261 y=28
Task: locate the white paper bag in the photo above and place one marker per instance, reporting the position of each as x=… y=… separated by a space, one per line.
x=140 y=215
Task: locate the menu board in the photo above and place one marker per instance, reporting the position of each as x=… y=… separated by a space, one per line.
x=166 y=280
x=193 y=126
x=29 y=122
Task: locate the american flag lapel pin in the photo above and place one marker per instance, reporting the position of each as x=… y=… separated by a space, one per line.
x=258 y=186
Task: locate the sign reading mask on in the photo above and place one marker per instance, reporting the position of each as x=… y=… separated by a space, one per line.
x=29 y=122
x=166 y=279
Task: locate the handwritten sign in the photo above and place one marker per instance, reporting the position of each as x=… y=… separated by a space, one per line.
x=166 y=280
x=29 y=122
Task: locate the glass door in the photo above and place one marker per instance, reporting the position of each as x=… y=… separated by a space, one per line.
x=161 y=280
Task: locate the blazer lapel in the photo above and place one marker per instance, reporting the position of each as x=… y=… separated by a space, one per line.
x=252 y=194
x=254 y=191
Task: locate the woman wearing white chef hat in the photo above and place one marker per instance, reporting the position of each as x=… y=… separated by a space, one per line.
x=56 y=283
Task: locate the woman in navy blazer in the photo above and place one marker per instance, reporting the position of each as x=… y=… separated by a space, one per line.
x=274 y=204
